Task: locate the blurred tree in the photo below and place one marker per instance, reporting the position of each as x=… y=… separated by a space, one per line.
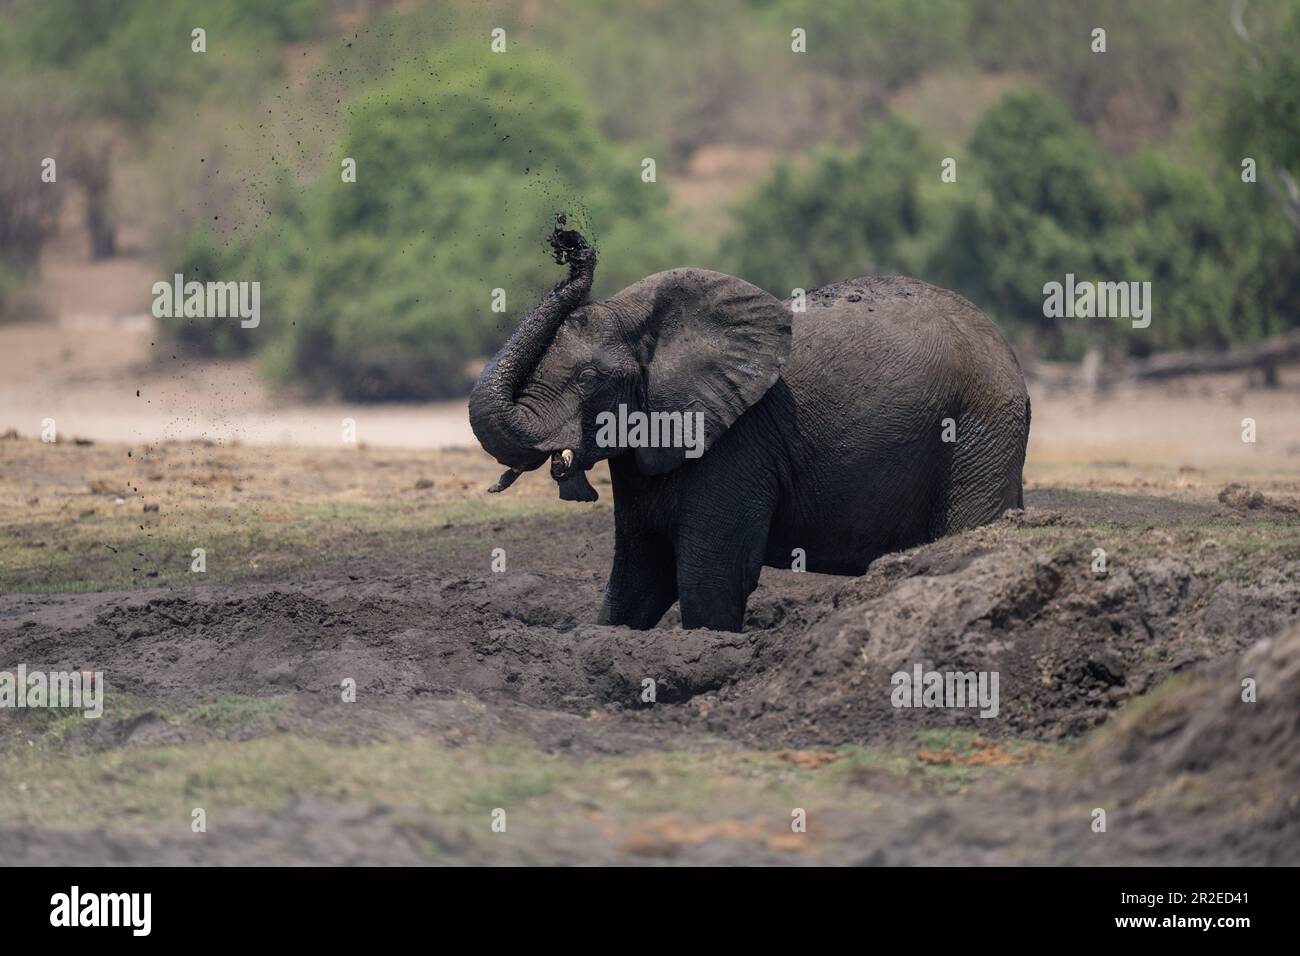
x=1037 y=199
x=671 y=72
x=890 y=42
x=382 y=288
x=1035 y=202
x=1052 y=203
x=850 y=213
x=1158 y=52
x=1259 y=110
x=125 y=63
x=1201 y=244
x=36 y=122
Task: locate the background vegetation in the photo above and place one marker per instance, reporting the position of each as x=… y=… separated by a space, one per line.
x=791 y=170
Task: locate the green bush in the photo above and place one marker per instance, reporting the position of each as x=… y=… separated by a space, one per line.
x=205 y=259
x=1209 y=247
x=1035 y=202
x=851 y=213
x=382 y=288
x=1035 y=199
x=1053 y=203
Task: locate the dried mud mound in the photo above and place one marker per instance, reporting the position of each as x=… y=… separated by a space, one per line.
x=1068 y=645
x=1206 y=773
x=1193 y=775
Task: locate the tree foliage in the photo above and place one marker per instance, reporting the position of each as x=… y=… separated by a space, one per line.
x=1036 y=198
x=129 y=60
x=382 y=288
x=850 y=213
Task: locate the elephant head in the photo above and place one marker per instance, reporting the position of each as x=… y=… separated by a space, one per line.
x=686 y=341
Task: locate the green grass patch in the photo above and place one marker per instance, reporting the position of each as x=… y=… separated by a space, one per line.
x=43 y=784
x=238 y=711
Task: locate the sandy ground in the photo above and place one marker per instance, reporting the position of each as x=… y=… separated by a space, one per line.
x=1189 y=424
x=85 y=372
x=102 y=377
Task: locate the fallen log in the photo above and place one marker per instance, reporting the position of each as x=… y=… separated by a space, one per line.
x=1265 y=356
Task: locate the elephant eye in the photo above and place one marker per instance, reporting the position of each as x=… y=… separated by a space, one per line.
x=587 y=374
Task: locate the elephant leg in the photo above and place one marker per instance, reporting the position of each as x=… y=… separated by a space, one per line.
x=643 y=582
x=985 y=471
x=716 y=574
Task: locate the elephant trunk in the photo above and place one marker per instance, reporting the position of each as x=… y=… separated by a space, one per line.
x=507 y=430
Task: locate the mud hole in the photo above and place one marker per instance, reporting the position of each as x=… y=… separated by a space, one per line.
x=812 y=670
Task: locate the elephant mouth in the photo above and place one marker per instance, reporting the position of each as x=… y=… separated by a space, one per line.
x=569 y=474
x=571 y=477
x=561 y=463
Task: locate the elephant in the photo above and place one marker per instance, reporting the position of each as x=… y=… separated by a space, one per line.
x=867 y=417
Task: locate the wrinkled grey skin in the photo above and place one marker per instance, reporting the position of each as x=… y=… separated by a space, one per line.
x=828 y=437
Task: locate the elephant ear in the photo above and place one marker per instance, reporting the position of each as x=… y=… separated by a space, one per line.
x=710 y=343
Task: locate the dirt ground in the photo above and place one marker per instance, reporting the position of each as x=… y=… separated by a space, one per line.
x=488 y=695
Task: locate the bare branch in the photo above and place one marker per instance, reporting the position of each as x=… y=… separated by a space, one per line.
x=1236 y=16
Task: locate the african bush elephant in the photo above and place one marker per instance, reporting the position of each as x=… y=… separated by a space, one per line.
x=893 y=413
